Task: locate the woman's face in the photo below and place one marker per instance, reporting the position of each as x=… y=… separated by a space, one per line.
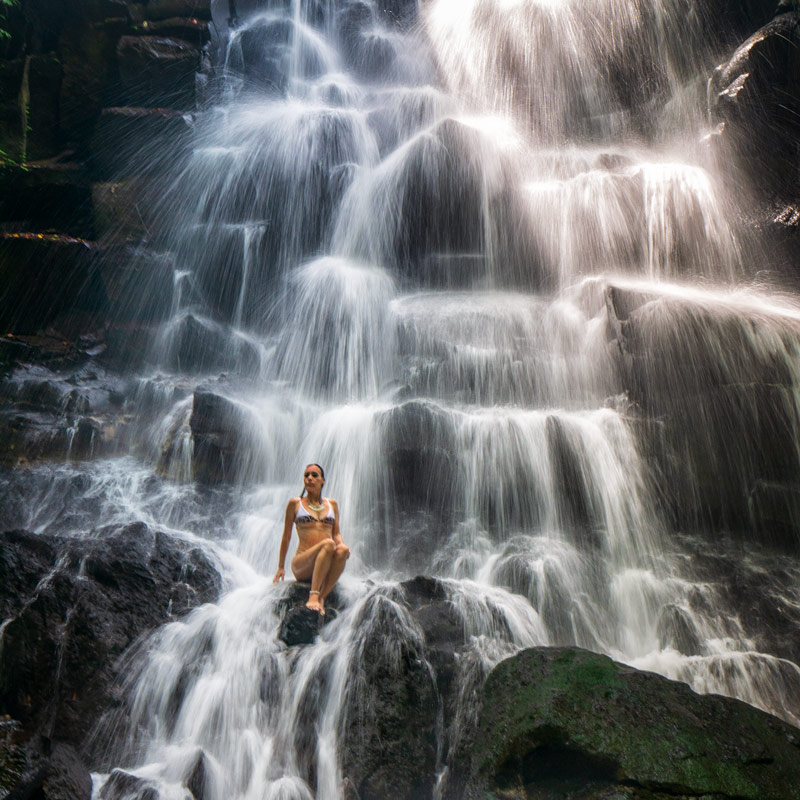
x=312 y=479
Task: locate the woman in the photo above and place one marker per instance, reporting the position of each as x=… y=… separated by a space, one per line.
x=321 y=553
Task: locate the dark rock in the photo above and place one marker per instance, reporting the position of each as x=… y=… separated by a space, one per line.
x=389 y=737
x=573 y=724
x=263 y=52
x=222 y=442
x=122 y=785
x=48 y=416
x=368 y=52
x=122 y=212
x=443 y=629
x=755 y=96
x=419 y=449
x=92 y=599
x=138 y=141
x=42 y=276
x=48 y=197
x=742 y=17
x=67 y=777
x=300 y=625
x=39 y=105
x=702 y=380
x=89 y=75
x=11 y=73
x=189 y=29
x=139 y=283
x=197 y=782
x=402 y=13
x=164 y=9
x=774 y=511
x=767 y=609
x=39 y=768
x=31 y=437
x=13 y=762
x=676 y=630
x=200 y=345
x=157 y=72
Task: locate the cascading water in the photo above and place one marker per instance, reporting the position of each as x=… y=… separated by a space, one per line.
x=451 y=286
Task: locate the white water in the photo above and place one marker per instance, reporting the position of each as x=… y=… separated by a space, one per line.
x=456 y=266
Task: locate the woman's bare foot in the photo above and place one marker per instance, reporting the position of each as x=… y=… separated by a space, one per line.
x=315 y=602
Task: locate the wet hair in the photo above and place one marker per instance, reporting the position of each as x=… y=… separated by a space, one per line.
x=322 y=472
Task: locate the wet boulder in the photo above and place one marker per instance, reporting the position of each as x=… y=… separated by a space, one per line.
x=130 y=141
x=198 y=344
x=164 y=9
x=157 y=71
x=388 y=744
x=47 y=196
x=39 y=98
x=76 y=414
x=300 y=625
x=755 y=98
x=703 y=375
x=89 y=76
x=42 y=276
x=222 y=434
x=265 y=53
x=123 y=785
x=74 y=606
x=41 y=768
x=443 y=631
x=565 y=722
x=13 y=762
x=401 y=13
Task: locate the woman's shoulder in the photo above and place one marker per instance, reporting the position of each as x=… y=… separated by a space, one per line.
x=334 y=503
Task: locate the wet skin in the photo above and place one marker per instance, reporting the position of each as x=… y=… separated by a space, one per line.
x=321 y=553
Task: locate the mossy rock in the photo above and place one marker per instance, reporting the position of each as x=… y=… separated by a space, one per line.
x=562 y=721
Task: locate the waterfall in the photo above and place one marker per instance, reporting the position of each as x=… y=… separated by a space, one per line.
x=472 y=258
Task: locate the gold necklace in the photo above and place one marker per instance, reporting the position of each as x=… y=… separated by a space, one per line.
x=315 y=507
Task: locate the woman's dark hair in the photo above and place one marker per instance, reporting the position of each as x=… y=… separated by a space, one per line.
x=322 y=472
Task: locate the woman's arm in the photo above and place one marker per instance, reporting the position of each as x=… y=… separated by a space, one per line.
x=288 y=521
x=336 y=535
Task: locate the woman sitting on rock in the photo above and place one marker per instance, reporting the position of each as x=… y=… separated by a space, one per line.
x=321 y=553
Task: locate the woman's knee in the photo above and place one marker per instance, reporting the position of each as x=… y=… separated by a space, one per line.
x=342 y=551
x=328 y=546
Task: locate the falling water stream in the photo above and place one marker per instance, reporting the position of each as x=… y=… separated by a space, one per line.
x=473 y=259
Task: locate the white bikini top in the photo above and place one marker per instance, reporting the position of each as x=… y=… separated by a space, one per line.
x=302 y=515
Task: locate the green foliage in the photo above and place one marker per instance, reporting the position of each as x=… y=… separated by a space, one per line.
x=5 y=5
x=8 y=163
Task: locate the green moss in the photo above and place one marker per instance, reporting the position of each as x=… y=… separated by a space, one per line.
x=650 y=731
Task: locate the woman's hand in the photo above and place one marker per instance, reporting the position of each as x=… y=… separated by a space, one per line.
x=279 y=575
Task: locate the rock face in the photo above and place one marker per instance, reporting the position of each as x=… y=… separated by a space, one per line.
x=220 y=430
x=755 y=96
x=300 y=625
x=737 y=467
x=572 y=724
x=389 y=741
x=74 y=606
x=75 y=414
x=157 y=71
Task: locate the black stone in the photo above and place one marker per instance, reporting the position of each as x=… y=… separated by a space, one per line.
x=300 y=626
x=73 y=610
x=157 y=71
x=122 y=785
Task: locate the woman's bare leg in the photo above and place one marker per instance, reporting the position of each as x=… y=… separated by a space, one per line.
x=339 y=559
x=314 y=563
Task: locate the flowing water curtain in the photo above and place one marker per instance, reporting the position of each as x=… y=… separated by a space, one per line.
x=385 y=272
x=596 y=69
